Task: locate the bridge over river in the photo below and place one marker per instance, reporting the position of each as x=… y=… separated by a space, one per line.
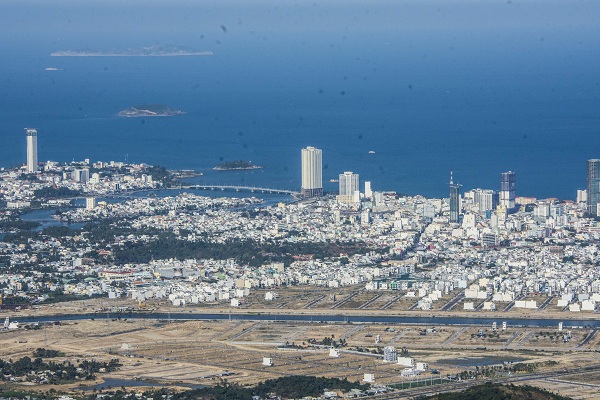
x=252 y=189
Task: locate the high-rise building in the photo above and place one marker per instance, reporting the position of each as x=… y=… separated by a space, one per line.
x=349 y=188
x=593 y=186
x=508 y=184
x=581 y=196
x=368 y=190
x=32 y=156
x=312 y=172
x=349 y=183
x=485 y=199
x=81 y=175
x=454 y=200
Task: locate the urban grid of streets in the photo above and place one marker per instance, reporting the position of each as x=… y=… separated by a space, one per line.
x=540 y=259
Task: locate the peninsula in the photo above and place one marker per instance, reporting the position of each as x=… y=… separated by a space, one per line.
x=150 y=51
x=150 y=110
x=236 y=165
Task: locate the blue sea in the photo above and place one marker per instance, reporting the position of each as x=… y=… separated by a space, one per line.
x=430 y=86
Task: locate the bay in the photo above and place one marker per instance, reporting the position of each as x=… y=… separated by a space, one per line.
x=429 y=87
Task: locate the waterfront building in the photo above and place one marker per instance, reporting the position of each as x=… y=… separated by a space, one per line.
x=523 y=201
x=32 y=154
x=581 y=196
x=368 y=190
x=312 y=172
x=508 y=182
x=454 y=200
x=349 y=183
x=349 y=188
x=593 y=186
x=90 y=203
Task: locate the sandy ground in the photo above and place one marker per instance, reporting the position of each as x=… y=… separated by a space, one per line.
x=205 y=352
x=199 y=352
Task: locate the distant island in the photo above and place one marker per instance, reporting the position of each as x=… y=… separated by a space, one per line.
x=150 y=110
x=235 y=165
x=150 y=51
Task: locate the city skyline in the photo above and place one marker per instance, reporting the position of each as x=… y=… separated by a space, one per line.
x=312 y=180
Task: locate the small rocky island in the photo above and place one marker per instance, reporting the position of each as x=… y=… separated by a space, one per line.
x=235 y=165
x=150 y=110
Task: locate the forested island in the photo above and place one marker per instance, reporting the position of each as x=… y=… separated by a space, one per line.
x=150 y=110
x=235 y=165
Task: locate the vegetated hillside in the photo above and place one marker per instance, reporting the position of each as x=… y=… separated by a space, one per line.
x=491 y=391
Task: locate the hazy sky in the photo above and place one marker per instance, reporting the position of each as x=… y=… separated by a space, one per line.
x=68 y=20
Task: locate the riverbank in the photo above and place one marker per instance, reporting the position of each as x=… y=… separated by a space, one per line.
x=53 y=313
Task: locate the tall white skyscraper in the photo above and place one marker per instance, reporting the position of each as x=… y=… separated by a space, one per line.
x=582 y=196
x=312 y=172
x=349 y=188
x=348 y=183
x=32 y=156
x=368 y=190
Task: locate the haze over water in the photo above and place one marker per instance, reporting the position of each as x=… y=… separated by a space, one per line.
x=477 y=87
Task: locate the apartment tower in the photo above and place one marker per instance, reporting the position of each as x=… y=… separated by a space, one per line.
x=32 y=156
x=508 y=184
x=593 y=186
x=454 y=200
x=312 y=172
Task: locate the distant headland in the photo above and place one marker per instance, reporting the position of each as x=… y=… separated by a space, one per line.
x=235 y=165
x=150 y=51
x=150 y=110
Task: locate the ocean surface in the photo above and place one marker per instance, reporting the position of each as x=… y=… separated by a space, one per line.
x=474 y=87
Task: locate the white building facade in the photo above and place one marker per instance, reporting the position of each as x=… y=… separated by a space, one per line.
x=312 y=172
x=32 y=155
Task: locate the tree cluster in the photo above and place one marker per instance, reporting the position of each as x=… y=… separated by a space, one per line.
x=244 y=251
x=47 y=353
x=56 y=372
x=289 y=387
x=490 y=391
x=55 y=193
